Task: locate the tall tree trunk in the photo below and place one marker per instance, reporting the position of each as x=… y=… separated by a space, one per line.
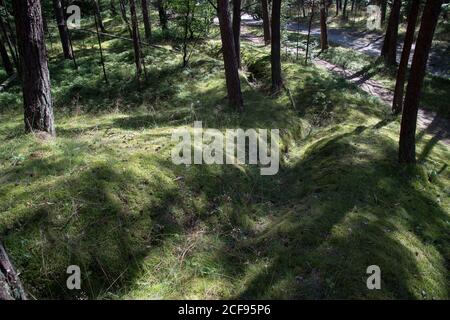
x=37 y=98
x=123 y=14
x=62 y=28
x=99 y=40
x=337 y=8
x=407 y=144
x=277 y=80
x=402 y=69
x=266 y=21
x=11 y=46
x=162 y=14
x=112 y=7
x=186 y=31
x=237 y=30
x=146 y=18
x=389 y=50
x=344 y=10
x=136 y=41
x=309 y=32
x=99 y=16
x=383 y=11
x=323 y=26
x=229 y=56
x=5 y=59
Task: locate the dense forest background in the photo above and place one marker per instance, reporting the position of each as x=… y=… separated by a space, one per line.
x=86 y=177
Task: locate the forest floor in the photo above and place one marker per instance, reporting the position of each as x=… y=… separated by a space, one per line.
x=371 y=43
x=367 y=42
x=106 y=196
x=428 y=120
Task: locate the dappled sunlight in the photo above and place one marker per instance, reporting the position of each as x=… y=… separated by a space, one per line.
x=105 y=194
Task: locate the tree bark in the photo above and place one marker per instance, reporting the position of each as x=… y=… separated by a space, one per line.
x=5 y=59
x=146 y=19
x=186 y=31
x=9 y=42
x=277 y=81
x=162 y=14
x=123 y=14
x=403 y=67
x=266 y=21
x=112 y=7
x=229 y=56
x=10 y=285
x=344 y=10
x=99 y=16
x=237 y=30
x=62 y=28
x=407 y=144
x=99 y=40
x=135 y=36
x=323 y=26
x=308 y=39
x=383 y=11
x=389 y=50
x=37 y=98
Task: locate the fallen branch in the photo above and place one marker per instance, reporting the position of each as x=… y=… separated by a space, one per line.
x=124 y=38
x=8 y=81
x=244 y=76
x=291 y=98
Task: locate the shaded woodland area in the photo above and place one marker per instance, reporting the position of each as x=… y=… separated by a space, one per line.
x=86 y=178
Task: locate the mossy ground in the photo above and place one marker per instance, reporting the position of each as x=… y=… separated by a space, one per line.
x=106 y=196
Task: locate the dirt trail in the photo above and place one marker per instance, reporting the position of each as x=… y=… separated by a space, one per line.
x=371 y=43
x=427 y=121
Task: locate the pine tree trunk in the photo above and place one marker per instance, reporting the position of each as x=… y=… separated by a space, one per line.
x=237 y=30
x=323 y=26
x=186 y=32
x=9 y=42
x=37 y=98
x=229 y=56
x=112 y=7
x=99 y=16
x=146 y=19
x=62 y=28
x=407 y=144
x=136 y=41
x=344 y=10
x=162 y=14
x=5 y=59
x=308 y=38
x=389 y=50
x=277 y=81
x=123 y=14
x=266 y=21
x=99 y=40
x=402 y=69
x=383 y=11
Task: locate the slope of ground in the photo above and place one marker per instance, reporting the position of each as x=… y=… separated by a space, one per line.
x=105 y=195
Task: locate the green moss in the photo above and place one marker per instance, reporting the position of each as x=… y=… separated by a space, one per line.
x=105 y=195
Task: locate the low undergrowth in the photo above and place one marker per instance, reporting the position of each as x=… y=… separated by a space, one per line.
x=106 y=196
